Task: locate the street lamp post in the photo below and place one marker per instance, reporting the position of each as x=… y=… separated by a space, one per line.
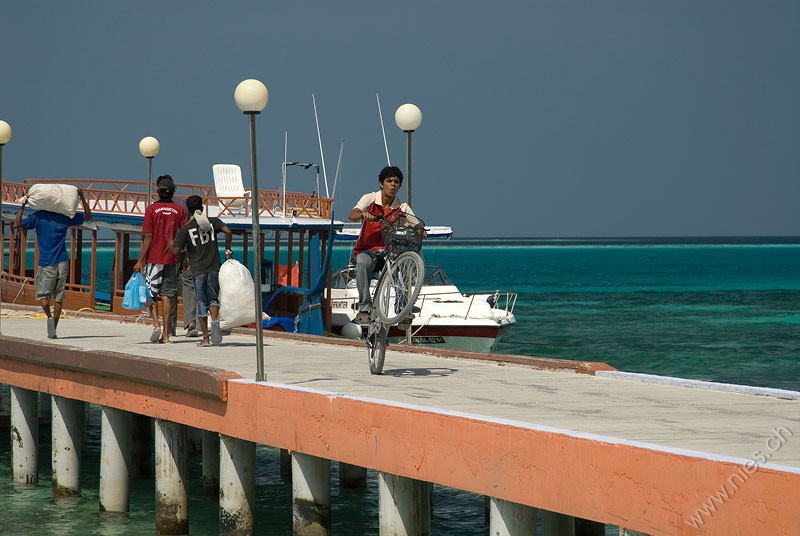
x=5 y=135
x=149 y=147
x=408 y=117
x=251 y=97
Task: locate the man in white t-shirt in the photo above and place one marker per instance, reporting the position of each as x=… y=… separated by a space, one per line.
x=368 y=251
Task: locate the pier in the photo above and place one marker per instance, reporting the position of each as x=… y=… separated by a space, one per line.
x=576 y=445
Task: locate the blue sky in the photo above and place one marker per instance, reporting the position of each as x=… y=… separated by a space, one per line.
x=540 y=118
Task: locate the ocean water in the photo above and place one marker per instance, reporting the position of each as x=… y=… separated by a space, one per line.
x=723 y=310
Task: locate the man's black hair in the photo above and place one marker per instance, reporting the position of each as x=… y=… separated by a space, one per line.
x=194 y=203
x=166 y=188
x=390 y=171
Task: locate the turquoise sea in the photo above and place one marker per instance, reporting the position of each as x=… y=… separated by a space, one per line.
x=715 y=309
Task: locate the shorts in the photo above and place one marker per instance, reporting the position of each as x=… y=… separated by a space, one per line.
x=162 y=279
x=50 y=281
x=206 y=290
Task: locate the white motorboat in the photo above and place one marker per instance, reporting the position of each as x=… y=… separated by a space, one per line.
x=447 y=317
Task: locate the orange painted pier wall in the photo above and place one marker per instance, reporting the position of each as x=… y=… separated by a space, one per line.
x=633 y=486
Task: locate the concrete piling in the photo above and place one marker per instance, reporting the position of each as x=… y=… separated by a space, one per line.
x=555 y=524
x=211 y=442
x=67 y=441
x=172 y=477
x=311 y=495
x=352 y=476
x=511 y=519
x=115 y=453
x=403 y=506
x=24 y=436
x=237 y=485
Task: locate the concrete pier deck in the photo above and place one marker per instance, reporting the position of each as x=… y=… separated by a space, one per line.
x=642 y=455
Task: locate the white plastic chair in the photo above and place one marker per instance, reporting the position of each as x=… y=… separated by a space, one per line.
x=228 y=183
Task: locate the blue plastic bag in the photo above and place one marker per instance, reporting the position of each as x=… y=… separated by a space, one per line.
x=137 y=294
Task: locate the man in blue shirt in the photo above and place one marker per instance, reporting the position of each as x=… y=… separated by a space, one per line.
x=51 y=274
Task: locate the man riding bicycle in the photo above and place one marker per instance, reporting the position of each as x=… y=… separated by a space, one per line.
x=369 y=249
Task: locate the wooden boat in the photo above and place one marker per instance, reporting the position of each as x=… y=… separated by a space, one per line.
x=118 y=208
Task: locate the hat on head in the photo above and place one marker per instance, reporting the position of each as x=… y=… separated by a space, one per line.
x=165 y=183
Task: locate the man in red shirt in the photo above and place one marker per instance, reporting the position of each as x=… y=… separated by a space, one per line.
x=369 y=247
x=162 y=220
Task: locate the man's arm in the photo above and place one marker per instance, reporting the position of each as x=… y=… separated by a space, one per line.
x=172 y=248
x=87 y=212
x=228 y=235
x=18 y=222
x=146 y=243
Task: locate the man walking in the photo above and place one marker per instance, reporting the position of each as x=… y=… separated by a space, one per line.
x=162 y=220
x=199 y=237
x=53 y=270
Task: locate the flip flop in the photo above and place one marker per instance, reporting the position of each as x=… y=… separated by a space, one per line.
x=204 y=345
x=155 y=336
x=192 y=333
x=51 y=328
x=216 y=333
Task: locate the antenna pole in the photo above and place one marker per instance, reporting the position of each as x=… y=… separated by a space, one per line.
x=338 y=169
x=385 y=145
x=283 y=177
x=321 y=154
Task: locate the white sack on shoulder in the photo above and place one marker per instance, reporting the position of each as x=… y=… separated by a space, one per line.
x=60 y=198
x=237 y=299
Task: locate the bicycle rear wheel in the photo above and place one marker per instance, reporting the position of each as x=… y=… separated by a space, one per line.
x=376 y=350
x=398 y=288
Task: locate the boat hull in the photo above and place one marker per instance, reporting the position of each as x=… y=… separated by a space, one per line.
x=465 y=338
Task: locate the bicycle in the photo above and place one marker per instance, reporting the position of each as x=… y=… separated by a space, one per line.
x=399 y=283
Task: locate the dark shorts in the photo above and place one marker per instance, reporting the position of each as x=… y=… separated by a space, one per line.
x=50 y=281
x=162 y=279
x=206 y=290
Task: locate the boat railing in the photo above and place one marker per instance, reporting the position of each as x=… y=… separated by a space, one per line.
x=131 y=197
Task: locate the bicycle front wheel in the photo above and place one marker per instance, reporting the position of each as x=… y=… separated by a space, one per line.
x=398 y=288
x=376 y=350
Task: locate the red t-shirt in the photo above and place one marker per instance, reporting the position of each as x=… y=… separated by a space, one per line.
x=163 y=219
x=370 y=237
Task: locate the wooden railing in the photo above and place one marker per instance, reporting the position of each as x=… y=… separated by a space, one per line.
x=130 y=197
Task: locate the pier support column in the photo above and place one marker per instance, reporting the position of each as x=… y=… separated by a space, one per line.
x=586 y=527
x=237 y=485
x=403 y=506
x=172 y=478
x=352 y=476
x=511 y=519
x=24 y=436
x=67 y=440
x=45 y=409
x=311 y=495
x=211 y=441
x=115 y=455
x=555 y=524
x=142 y=447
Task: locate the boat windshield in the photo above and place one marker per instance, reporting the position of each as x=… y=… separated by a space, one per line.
x=434 y=277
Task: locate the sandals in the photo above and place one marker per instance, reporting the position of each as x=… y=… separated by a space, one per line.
x=155 y=336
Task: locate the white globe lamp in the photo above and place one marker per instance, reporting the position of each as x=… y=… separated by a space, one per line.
x=408 y=117
x=251 y=96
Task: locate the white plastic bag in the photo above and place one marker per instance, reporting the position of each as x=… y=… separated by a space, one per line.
x=60 y=198
x=237 y=299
